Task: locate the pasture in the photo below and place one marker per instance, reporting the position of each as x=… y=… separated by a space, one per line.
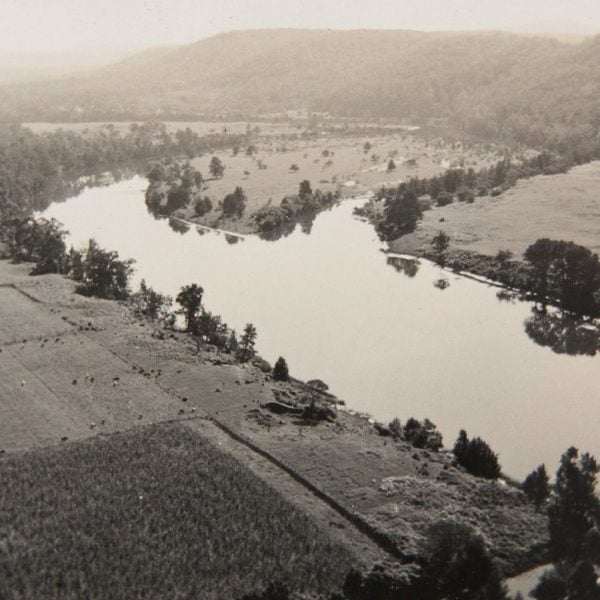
x=559 y=207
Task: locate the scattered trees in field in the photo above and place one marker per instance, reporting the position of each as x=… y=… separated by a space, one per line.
x=190 y=300
x=280 y=370
x=476 y=456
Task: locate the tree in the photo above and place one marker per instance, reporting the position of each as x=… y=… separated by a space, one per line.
x=235 y=203
x=440 y=244
x=216 y=168
x=401 y=213
x=391 y=166
x=104 y=274
x=304 y=190
x=246 y=349
x=280 y=370
x=190 y=300
x=536 y=486
x=566 y=273
x=574 y=507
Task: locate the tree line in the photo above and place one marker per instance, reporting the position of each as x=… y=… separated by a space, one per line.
x=36 y=169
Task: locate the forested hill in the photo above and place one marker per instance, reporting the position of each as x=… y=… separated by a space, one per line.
x=531 y=89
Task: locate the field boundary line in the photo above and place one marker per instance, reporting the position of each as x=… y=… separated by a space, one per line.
x=358 y=522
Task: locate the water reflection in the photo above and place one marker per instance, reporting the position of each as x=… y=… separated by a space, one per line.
x=563 y=334
x=402 y=264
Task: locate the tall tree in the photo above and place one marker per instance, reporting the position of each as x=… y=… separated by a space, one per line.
x=246 y=344
x=190 y=300
x=216 y=167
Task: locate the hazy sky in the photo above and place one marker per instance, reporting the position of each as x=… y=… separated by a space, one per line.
x=28 y=26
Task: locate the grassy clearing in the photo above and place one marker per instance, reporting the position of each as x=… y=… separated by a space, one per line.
x=152 y=513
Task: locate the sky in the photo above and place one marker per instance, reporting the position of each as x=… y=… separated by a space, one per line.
x=36 y=26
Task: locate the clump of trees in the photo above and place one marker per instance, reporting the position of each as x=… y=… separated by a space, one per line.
x=273 y=221
x=152 y=304
x=420 y=434
x=476 y=456
x=175 y=186
x=566 y=273
x=40 y=241
x=401 y=213
x=98 y=272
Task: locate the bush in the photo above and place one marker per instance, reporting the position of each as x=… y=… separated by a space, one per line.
x=280 y=371
x=443 y=199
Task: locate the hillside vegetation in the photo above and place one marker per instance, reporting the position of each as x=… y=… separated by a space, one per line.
x=531 y=90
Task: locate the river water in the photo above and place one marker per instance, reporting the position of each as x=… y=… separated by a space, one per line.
x=382 y=336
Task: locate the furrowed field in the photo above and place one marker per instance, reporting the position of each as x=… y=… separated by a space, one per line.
x=152 y=513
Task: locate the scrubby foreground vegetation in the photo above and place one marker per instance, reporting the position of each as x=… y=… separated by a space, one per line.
x=153 y=513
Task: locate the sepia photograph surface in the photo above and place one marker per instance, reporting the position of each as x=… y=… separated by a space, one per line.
x=299 y=300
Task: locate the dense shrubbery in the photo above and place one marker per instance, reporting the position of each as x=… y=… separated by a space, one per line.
x=476 y=456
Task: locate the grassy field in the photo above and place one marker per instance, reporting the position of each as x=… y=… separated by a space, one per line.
x=330 y=164
x=152 y=513
x=21 y=319
x=564 y=207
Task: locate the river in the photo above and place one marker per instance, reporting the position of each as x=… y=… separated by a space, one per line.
x=386 y=340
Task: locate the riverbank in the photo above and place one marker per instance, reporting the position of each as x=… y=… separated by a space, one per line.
x=90 y=368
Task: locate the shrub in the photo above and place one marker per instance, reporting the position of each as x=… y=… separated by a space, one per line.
x=443 y=199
